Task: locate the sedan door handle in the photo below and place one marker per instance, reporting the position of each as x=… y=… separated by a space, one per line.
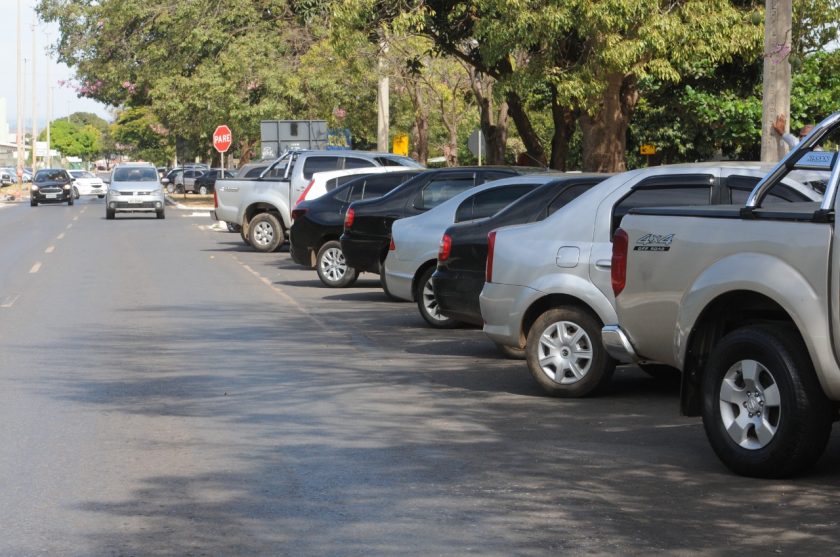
x=604 y=263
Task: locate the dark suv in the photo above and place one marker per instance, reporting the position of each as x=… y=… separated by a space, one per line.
x=51 y=185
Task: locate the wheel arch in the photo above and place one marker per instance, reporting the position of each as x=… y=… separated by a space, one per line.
x=547 y=302
x=262 y=207
x=419 y=272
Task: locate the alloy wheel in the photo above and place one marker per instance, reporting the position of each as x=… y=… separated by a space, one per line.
x=750 y=404
x=565 y=352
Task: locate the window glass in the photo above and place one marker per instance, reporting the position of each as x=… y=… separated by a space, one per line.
x=490 y=176
x=135 y=174
x=358 y=191
x=565 y=196
x=379 y=185
x=82 y=174
x=740 y=188
x=353 y=162
x=319 y=164
x=442 y=189
x=490 y=202
x=662 y=196
x=50 y=174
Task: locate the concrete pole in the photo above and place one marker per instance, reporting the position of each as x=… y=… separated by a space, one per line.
x=776 y=97
x=382 y=103
x=20 y=154
x=34 y=89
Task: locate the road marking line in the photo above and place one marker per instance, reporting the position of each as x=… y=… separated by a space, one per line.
x=9 y=301
x=194 y=214
x=49 y=249
x=76 y=218
x=60 y=236
x=69 y=226
x=35 y=268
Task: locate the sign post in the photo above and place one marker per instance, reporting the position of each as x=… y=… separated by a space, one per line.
x=222 y=139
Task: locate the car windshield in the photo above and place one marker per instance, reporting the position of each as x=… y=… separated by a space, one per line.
x=50 y=174
x=135 y=174
x=82 y=174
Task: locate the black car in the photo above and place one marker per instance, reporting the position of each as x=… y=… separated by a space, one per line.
x=367 y=224
x=459 y=277
x=206 y=183
x=317 y=224
x=51 y=185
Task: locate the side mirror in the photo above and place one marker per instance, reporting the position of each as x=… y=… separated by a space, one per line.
x=164 y=181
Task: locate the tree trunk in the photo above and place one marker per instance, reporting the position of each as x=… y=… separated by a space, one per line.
x=564 y=127
x=493 y=126
x=605 y=131
x=535 y=154
x=420 y=128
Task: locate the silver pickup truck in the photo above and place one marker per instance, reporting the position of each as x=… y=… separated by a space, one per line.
x=262 y=206
x=744 y=300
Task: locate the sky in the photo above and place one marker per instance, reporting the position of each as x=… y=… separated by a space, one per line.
x=65 y=101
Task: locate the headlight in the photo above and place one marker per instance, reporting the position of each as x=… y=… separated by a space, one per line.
x=34 y=187
x=67 y=186
x=113 y=192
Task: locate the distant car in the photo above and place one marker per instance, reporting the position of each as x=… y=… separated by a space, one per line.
x=51 y=185
x=318 y=223
x=6 y=177
x=206 y=183
x=252 y=169
x=87 y=183
x=323 y=182
x=135 y=187
x=183 y=179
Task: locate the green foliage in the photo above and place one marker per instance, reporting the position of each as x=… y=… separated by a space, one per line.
x=139 y=134
x=74 y=139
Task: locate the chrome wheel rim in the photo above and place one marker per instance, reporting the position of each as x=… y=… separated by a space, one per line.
x=263 y=233
x=333 y=266
x=750 y=404
x=430 y=303
x=565 y=352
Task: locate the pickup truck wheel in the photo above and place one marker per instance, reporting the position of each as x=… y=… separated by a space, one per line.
x=427 y=304
x=764 y=412
x=565 y=355
x=332 y=267
x=265 y=233
x=244 y=236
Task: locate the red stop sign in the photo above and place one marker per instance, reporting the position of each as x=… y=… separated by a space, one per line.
x=222 y=138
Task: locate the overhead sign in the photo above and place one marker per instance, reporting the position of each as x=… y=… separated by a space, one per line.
x=477 y=144
x=647 y=149
x=400 y=146
x=222 y=139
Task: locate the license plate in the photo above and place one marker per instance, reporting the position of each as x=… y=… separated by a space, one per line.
x=51 y=195
x=135 y=200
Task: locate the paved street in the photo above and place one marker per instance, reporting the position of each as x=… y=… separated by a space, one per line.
x=164 y=390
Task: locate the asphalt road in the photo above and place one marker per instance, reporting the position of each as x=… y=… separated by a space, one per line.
x=166 y=391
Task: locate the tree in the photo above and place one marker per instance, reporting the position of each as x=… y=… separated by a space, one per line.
x=73 y=139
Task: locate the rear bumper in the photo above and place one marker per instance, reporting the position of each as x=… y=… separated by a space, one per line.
x=501 y=307
x=457 y=294
x=300 y=254
x=363 y=255
x=617 y=344
x=399 y=278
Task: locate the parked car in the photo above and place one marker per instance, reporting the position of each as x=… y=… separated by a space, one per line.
x=7 y=177
x=87 y=183
x=553 y=298
x=51 y=185
x=135 y=188
x=415 y=241
x=367 y=224
x=318 y=224
x=743 y=300
x=323 y=182
x=206 y=183
x=252 y=169
x=462 y=258
x=262 y=206
x=181 y=180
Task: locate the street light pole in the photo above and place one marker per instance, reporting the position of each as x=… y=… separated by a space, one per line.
x=34 y=88
x=19 y=107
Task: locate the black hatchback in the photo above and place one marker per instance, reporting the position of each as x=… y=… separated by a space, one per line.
x=459 y=277
x=51 y=185
x=317 y=224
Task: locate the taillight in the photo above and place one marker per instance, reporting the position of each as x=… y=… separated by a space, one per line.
x=215 y=199
x=491 y=247
x=445 y=247
x=618 y=269
x=349 y=218
x=297 y=213
x=305 y=191
x=392 y=246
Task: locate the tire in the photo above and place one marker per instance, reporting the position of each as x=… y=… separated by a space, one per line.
x=179 y=188
x=160 y=215
x=265 y=233
x=76 y=194
x=764 y=411
x=202 y=190
x=511 y=352
x=233 y=227
x=110 y=214
x=384 y=284
x=70 y=201
x=332 y=268
x=33 y=203
x=101 y=196
x=565 y=355
x=424 y=294
x=170 y=188
x=661 y=372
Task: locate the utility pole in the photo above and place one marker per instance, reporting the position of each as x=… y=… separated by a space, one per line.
x=34 y=88
x=19 y=108
x=382 y=102
x=778 y=18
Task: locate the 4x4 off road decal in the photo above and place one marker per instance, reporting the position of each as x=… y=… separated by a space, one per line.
x=654 y=242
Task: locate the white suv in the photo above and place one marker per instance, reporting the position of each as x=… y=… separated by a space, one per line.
x=134 y=188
